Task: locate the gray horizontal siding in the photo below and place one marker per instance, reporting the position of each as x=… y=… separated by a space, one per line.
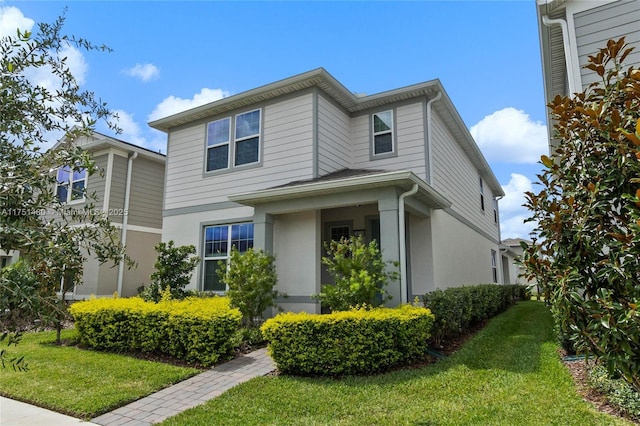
x=458 y=179
x=118 y=184
x=334 y=134
x=96 y=182
x=410 y=142
x=287 y=155
x=145 y=203
x=594 y=27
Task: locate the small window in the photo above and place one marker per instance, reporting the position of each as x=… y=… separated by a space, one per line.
x=383 y=132
x=340 y=232
x=71 y=184
x=481 y=194
x=494 y=266
x=218 y=134
x=247 y=138
x=218 y=241
x=495 y=210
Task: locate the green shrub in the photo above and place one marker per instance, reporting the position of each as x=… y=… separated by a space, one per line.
x=358 y=341
x=617 y=391
x=359 y=273
x=457 y=309
x=173 y=269
x=195 y=330
x=251 y=278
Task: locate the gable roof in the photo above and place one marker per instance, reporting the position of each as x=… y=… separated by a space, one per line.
x=96 y=141
x=352 y=103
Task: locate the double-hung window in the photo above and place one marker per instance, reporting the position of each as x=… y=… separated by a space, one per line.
x=218 y=241
x=237 y=139
x=494 y=266
x=247 y=138
x=218 y=135
x=382 y=123
x=481 y=194
x=71 y=184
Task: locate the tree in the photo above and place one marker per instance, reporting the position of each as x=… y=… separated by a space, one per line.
x=359 y=273
x=173 y=269
x=587 y=251
x=251 y=278
x=32 y=219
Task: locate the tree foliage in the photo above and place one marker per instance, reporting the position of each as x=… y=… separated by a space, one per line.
x=587 y=250
x=359 y=273
x=173 y=269
x=251 y=278
x=32 y=220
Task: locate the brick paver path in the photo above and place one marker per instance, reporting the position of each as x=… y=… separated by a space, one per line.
x=191 y=392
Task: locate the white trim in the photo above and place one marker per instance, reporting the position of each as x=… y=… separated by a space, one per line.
x=138 y=228
x=236 y=139
x=207 y=146
x=107 y=182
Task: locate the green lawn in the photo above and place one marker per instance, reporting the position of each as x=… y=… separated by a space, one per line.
x=79 y=382
x=508 y=374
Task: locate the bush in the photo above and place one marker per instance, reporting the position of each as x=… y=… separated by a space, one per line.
x=359 y=273
x=195 y=330
x=617 y=391
x=358 y=341
x=173 y=269
x=251 y=278
x=457 y=309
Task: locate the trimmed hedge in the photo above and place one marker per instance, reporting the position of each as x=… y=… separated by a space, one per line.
x=197 y=330
x=457 y=309
x=351 y=342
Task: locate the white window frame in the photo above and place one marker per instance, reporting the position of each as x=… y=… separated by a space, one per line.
x=390 y=131
x=494 y=266
x=216 y=258
x=69 y=185
x=228 y=143
x=482 y=194
x=236 y=140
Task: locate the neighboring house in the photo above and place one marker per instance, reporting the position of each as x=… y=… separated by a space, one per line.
x=511 y=255
x=288 y=166
x=572 y=30
x=130 y=192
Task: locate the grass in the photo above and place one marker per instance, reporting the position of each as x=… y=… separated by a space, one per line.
x=508 y=374
x=80 y=382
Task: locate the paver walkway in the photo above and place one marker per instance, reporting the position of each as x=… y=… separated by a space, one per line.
x=191 y=392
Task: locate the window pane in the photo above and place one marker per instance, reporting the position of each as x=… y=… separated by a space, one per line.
x=61 y=193
x=242 y=236
x=216 y=244
x=382 y=122
x=79 y=175
x=248 y=124
x=247 y=151
x=218 y=157
x=77 y=190
x=383 y=143
x=218 y=132
x=63 y=174
x=340 y=232
x=211 y=280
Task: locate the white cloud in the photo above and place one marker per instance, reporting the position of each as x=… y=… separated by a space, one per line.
x=11 y=18
x=145 y=72
x=173 y=105
x=509 y=135
x=133 y=133
x=512 y=213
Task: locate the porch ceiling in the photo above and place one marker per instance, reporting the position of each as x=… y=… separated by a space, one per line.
x=352 y=183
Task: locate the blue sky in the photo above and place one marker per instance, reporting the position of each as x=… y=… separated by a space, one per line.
x=169 y=56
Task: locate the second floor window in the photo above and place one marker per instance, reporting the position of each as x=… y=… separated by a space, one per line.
x=71 y=184
x=382 y=132
x=243 y=144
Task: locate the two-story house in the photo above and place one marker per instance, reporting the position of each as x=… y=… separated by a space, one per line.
x=129 y=191
x=572 y=30
x=288 y=166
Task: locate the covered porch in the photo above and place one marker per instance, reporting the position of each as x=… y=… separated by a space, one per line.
x=293 y=222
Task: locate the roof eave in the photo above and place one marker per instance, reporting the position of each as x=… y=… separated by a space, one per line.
x=398 y=178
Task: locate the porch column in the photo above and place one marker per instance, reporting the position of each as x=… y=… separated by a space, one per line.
x=389 y=239
x=263 y=231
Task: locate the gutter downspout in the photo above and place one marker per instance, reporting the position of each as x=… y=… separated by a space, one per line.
x=125 y=218
x=567 y=49
x=403 y=242
x=429 y=128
